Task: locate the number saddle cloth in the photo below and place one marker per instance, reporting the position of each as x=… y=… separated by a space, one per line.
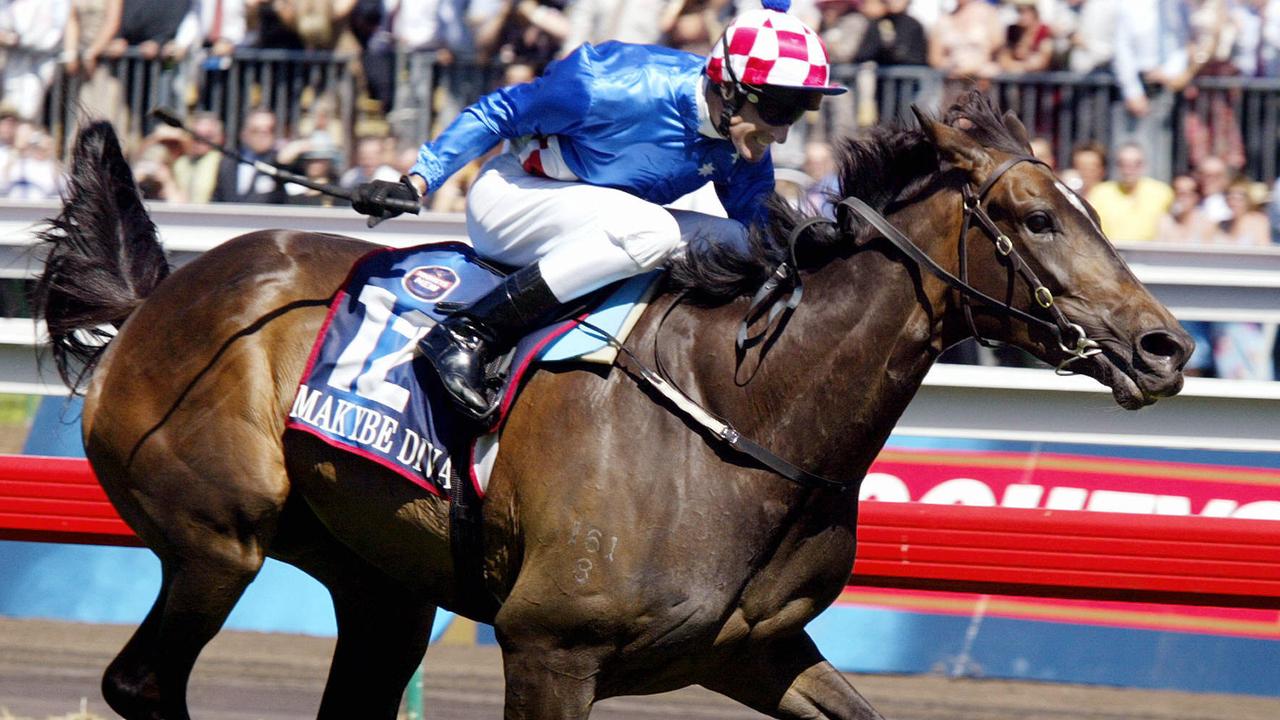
x=361 y=390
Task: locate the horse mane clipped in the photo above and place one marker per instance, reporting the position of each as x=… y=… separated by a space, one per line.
x=879 y=165
x=104 y=256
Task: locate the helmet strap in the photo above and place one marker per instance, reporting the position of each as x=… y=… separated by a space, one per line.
x=732 y=93
x=731 y=104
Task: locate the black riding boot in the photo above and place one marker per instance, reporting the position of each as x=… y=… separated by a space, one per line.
x=461 y=345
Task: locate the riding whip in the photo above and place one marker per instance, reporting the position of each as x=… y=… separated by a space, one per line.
x=167 y=117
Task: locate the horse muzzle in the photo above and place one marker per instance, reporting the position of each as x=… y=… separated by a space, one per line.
x=1144 y=370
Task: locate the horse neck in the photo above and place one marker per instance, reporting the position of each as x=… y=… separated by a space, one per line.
x=835 y=382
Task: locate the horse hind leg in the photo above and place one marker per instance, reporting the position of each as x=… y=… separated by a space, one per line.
x=383 y=628
x=148 y=679
x=210 y=524
x=789 y=678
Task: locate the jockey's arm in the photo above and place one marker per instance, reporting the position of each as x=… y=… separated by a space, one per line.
x=553 y=104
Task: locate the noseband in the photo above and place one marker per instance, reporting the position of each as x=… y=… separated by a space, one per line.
x=1071 y=338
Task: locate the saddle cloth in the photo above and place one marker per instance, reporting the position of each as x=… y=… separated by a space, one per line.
x=361 y=389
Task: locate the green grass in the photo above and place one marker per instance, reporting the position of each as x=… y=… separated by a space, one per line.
x=17 y=410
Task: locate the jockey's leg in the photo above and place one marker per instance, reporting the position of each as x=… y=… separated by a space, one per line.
x=569 y=238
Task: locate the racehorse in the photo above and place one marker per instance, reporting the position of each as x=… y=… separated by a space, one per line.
x=627 y=549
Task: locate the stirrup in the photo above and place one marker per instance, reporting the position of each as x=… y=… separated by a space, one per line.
x=467 y=349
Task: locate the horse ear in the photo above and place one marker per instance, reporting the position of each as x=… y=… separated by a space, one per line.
x=955 y=148
x=1014 y=125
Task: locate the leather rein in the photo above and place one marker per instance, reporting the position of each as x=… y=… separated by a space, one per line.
x=782 y=291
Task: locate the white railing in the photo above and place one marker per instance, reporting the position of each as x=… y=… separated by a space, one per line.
x=998 y=403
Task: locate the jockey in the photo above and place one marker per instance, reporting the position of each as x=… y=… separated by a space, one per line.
x=597 y=145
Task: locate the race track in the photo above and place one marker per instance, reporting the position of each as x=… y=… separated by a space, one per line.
x=47 y=667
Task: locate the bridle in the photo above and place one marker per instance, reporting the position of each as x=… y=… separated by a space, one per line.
x=1071 y=338
x=783 y=289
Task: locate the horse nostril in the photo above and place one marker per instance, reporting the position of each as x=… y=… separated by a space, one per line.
x=1162 y=346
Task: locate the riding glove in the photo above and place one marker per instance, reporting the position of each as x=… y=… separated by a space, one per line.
x=383 y=200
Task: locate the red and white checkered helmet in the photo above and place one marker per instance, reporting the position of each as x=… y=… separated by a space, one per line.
x=768 y=47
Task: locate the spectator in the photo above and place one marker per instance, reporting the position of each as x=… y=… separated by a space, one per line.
x=318 y=166
x=1269 y=42
x=196 y=172
x=1247 y=226
x=1042 y=150
x=153 y=164
x=1151 y=65
x=91 y=26
x=30 y=40
x=596 y=21
x=158 y=28
x=522 y=35
x=1092 y=40
x=30 y=171
x=319 y=24
x=1130 y=207
x=155 y=181
x=692 y=25
x=1088 y=167
x=369 y=163
x=892 y=37
x=1185 y=223
x=265 y=26
x=964 y=42
x=1242 y=350
x=242 y=182
x=1214 y=177
x=9 y=122
x=842 y=28
x=1247 y=53
x=820 y=166
x=221 y=24
x=1028 y=44
x=1209 y=120
x=1273 y=212
x=412 y=26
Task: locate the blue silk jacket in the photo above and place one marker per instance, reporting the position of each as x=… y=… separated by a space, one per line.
x=625 y=116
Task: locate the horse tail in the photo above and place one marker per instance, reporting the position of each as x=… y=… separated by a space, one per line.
x=103 y=255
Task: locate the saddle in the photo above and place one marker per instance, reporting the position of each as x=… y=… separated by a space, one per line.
x=366 y=390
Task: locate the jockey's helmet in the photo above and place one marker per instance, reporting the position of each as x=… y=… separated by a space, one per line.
x=772 y=60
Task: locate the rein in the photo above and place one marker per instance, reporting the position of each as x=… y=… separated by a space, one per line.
x=1071 y=338
x=786 y=279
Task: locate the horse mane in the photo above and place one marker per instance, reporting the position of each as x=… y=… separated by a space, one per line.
x=104 y=256
x=880 y=165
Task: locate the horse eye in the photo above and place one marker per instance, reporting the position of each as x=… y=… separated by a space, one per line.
x=1039 y=222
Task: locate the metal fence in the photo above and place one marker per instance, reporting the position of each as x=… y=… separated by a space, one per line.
x=1236 y=117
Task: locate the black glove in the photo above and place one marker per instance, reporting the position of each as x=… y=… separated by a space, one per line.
x=383 y=200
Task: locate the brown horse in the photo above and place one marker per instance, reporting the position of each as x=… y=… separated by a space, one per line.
x=628 y=550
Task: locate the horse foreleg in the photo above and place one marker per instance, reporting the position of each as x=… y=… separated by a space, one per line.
x=789 y=678
x=548 y=683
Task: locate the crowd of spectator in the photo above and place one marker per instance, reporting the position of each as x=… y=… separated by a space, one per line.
x=1152 y=48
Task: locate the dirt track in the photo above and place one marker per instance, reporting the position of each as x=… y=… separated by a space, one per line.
x=46 y=667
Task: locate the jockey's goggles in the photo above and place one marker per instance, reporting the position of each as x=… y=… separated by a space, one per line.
x=781 y=107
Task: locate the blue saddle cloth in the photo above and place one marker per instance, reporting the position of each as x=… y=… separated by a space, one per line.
x=361 y=389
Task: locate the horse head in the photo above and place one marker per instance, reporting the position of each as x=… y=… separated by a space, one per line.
x=1027 y=241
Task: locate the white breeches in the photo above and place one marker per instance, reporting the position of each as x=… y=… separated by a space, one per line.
x=582 y=236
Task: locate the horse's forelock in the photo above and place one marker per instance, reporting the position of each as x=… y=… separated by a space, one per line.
x=985 y=124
